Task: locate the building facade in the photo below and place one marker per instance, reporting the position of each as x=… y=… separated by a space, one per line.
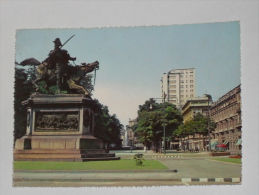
x=192 y=107
x=226 y=112
x=179 y=85
x=130 y=139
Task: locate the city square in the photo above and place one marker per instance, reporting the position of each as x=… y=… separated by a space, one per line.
x=152 y=108
x=184 y=169
x=174 y=138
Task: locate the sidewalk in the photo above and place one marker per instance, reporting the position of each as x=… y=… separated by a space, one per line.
x=112 y=176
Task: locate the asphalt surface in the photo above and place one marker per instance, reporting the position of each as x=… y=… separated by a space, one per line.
x=184 y=169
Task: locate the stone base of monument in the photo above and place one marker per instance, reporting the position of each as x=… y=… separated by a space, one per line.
x=60 y=128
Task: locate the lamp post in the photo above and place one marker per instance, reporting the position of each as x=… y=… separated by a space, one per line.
x=163 y=100
x=209 y=100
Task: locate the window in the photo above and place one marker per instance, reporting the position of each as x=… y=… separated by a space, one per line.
x=182 y=96
x=172 y=91
x=191 y=81
x=182 y=86
x=191 y=86
x=191 y=95
x=186 y=86
x=181 y=91
x=191 y=76
x=172 y=87
x=191 y=90
x=172 y=82
x=182 y=81
x=186 y=81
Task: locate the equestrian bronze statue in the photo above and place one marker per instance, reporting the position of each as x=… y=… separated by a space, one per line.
x=56 y=70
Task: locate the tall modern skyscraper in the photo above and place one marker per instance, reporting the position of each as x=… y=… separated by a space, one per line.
x=179 y=85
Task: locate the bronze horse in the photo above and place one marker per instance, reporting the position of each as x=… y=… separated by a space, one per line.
x=74 y=76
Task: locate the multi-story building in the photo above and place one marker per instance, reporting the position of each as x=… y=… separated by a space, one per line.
x=192 y=107
x=179 y=85
x=226 y=112
x=130 y=138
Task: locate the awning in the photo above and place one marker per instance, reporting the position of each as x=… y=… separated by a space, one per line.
x=239 y=142
x=225 y=142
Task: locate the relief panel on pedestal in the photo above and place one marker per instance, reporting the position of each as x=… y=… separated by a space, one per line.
x=56 y=121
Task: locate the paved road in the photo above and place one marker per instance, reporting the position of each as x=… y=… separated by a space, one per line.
x=186 y=167
x=202 y=168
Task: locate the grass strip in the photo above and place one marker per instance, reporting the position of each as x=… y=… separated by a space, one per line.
x=231 y=160
x=89 y=165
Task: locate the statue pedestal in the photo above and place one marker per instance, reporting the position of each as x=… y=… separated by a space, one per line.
x=60 y=128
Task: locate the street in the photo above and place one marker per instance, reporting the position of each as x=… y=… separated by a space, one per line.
x=184 y=169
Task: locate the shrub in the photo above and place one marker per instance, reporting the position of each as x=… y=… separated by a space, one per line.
x=235 y=156
x=138 y=158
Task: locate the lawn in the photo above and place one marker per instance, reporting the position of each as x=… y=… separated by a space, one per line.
x=231 y=160
x=89 y=165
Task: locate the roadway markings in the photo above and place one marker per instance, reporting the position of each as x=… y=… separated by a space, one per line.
x=160 y=156
x=232 y=180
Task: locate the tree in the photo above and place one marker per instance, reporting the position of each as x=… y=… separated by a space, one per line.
x=201 y=124
x=107 y=127
x=22 y=90
x=150 y=122
x=198 y=125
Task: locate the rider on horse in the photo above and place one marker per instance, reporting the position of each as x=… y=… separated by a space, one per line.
x=58 y=60
x=55 y=69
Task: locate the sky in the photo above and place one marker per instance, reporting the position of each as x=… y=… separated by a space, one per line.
x=133 y=59
x=183 y=53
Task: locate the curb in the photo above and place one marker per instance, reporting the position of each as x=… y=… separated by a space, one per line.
x=99 y=171
x=232 y=180
x=229 y=180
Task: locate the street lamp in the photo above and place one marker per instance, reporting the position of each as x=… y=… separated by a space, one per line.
x=209 y=100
